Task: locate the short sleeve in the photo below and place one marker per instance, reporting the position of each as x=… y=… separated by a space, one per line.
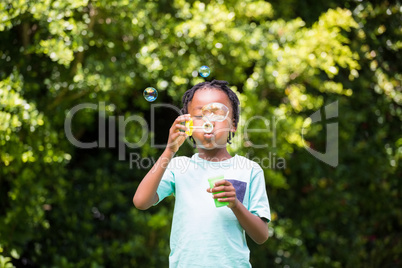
x=259 y=204
x=167 y=184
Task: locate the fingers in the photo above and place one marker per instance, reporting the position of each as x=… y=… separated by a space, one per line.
x=176 y=135
x=222 y=182
x=223 y=191
x=180 y=126
x=223 y=185
x=177 y=138
x=225 y=195
x=182 y=118
x=178 y=123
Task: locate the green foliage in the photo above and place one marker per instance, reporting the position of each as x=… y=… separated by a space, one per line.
x=62 y=206
x=5 y=262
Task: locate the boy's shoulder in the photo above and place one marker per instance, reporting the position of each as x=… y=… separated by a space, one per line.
x=247 y=160
x=244 y=162
x=180 y=158
x=178 y=161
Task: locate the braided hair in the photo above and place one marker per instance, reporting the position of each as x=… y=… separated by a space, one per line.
x=214 y=84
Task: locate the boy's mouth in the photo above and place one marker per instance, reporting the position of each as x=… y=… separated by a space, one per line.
x=208 y=135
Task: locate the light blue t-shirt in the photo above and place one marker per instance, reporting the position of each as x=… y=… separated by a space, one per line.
x=203 y=235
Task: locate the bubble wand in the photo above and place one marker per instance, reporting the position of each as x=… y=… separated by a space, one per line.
x=212 y=112
x=207 y=127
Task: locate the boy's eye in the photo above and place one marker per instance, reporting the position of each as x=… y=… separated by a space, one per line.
x=197 y=119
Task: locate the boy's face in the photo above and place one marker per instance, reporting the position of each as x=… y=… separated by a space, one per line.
x=218 y=137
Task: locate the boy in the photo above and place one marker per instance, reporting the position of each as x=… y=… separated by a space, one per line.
x=203 y=235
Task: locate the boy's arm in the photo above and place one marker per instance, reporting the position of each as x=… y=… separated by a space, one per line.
x=146 y=195
x=254 y=226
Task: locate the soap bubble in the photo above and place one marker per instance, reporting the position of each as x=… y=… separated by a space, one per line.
x=208 y=127
x=216 y=111
x=204 y=71
x=150 y=94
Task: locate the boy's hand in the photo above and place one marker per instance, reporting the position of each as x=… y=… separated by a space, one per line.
x=228 y=195
x=176 y=137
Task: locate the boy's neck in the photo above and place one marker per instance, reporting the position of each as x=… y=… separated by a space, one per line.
x=214 y=155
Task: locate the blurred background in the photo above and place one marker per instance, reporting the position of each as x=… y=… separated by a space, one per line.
x=65 y=206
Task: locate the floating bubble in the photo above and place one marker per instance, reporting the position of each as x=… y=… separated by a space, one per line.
x=150 y=94
x=204 y=71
